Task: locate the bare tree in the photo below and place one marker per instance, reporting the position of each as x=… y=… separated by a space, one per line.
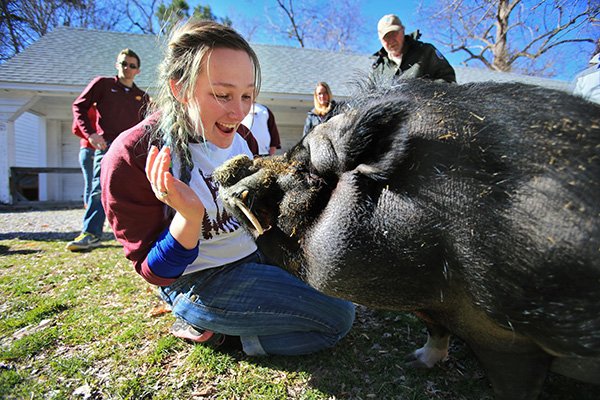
x=512 y=35
x=297 y=24
x=247 y=27
x=338 y=31
x=319 y=24
x=10 y=29
x=159 y=16
x=96 y=14
x=141 y=15
x=24 y=21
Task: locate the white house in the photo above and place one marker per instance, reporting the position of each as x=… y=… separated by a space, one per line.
x=38 y=86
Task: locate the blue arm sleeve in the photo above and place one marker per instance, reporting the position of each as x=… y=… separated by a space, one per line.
x=168 y=258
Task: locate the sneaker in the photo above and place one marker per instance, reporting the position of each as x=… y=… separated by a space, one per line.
x=85 y=241
x=183 y=330
x=227 y=343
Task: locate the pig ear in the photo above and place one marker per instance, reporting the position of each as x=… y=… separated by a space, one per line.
x=376 y=141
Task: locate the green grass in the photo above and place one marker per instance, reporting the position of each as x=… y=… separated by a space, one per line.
x=75 y=326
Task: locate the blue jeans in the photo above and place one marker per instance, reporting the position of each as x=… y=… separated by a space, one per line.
x=94 y=217
x=272 y=311
x=86 y=162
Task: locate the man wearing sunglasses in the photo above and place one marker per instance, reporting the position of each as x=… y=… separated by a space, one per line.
x=120 y=104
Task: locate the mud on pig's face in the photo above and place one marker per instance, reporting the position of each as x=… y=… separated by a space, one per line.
x=270 y=192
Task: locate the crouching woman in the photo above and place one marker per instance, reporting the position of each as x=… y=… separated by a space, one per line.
x=164 y=208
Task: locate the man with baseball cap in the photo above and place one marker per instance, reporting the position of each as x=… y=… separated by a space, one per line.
x=405 y=56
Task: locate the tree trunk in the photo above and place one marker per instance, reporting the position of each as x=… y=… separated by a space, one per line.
x=500 y=48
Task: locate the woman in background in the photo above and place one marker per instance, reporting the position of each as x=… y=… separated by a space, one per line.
x=323 y=110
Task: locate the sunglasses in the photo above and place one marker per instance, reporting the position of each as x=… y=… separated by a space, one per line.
x=131 y=66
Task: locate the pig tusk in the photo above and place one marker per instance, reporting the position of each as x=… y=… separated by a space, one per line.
x=240 y=204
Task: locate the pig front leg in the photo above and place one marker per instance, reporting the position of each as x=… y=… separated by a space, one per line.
x=434 y=350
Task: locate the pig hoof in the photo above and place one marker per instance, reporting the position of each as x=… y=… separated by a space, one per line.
x=425 y=357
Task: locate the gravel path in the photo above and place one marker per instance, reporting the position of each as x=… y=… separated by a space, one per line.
x=50 y=224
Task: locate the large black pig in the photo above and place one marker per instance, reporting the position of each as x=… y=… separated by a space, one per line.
x=474 y=206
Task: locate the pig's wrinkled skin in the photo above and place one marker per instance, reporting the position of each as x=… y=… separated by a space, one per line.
x=475 y=206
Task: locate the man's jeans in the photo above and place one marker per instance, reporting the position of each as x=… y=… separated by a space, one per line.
x=93 y=219
x=86 y=161
x=272 y=311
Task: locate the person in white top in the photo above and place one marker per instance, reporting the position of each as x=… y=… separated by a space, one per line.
x=261 y=122
x=587 y=83
x=165 y=209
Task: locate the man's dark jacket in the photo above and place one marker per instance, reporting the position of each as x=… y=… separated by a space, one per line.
x=419 y=60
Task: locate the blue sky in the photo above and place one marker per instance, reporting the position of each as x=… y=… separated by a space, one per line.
x=371 y=11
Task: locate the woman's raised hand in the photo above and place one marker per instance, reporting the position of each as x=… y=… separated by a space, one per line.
x=169 y=189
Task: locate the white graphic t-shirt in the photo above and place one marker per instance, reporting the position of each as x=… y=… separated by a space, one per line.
x=222 y=240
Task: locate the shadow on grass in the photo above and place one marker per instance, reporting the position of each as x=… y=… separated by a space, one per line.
x=55 y=237
x=369 y=363
x=6 y=251
x=39 y=236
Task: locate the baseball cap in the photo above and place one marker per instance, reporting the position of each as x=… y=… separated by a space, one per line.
x=388 y=23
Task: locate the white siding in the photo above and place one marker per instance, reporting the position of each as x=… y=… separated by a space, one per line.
x=27 y=145
x=72 y=184
x=36 y=146
x=27 y=152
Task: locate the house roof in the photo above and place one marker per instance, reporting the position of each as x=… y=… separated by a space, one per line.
x=68 y=58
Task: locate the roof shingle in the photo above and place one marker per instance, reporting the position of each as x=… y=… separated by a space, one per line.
x=73 y=56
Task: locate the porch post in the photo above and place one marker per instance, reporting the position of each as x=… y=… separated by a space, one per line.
x=7 y=157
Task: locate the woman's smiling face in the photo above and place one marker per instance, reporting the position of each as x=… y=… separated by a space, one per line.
x=322 y=96
x=224 y=93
